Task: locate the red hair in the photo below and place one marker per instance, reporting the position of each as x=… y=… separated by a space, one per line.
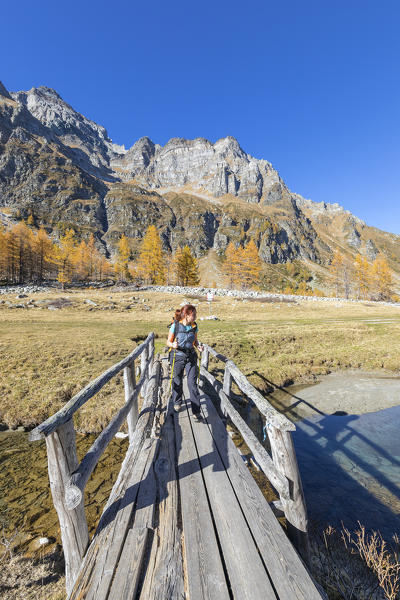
x=187 y=309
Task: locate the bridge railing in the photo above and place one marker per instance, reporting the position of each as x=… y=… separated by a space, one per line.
x=281 y=466
x=67 y=476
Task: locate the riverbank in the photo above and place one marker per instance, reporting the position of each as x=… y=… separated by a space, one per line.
x=353 y=392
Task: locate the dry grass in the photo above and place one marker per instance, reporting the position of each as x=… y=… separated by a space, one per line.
x=23 y=578
x=46 y=356
x=356 y=565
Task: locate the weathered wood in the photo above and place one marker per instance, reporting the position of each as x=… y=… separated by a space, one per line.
x=62 y=460
x=205 y=355
x=227 y=381
x=127 y=577
x=278 y=480
x=273 y=416
x=164 y=576
x=143 y=363
x=128 y=572
x=109 y=556
x=129 y=387
x=215 y=353
x=277 y=419
x=115 y=520
x=78 y=480
x=284 y=457
x=66 y=413
x=277 y=508
x=241 y=556
x=205 y=574
x=286 y=570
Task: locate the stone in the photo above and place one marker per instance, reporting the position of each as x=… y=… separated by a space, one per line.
x=88 y=301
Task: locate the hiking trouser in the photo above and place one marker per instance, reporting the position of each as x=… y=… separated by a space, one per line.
x=185 y=363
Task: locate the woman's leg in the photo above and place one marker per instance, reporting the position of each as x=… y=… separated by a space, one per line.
x=191 y=372
x=177 y=381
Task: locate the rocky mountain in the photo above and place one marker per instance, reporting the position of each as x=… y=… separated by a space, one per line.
x=64 y=169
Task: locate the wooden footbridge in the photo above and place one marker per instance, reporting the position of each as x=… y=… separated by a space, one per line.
x=185 y=518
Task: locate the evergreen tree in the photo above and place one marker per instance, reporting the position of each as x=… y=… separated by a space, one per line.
x=151 y=263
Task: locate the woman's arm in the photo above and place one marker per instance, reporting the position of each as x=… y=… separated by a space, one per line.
x=171 y=342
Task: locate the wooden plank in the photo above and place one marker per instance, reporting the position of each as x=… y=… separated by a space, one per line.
x=247 y=575
x=205 y=574
x=287 y=571
x=278 y=480
x=79 y=478
x=126 y=581
x=295 y=510
x=131 y=472
x=107 y=561
x=62 y=460
x=164 y=576
x=66 y=413
x=129 y=387
x=128 y=571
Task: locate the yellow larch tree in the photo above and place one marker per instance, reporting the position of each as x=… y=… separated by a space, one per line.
x=44 y=253
x=381 y=278
x=122 y=259
x=65 y=256
x=151 y=264
x=335 y=271
x=362 y=275
x=186 y=267
x=250 y=265
x=231 y=264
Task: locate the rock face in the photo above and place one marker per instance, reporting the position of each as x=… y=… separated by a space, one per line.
x=90 y=145
x=217 y=169
x=64 y=170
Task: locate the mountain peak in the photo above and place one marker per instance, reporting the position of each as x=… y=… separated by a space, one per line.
x=3 y=92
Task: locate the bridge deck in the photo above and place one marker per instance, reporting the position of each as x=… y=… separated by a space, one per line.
x=187 y=520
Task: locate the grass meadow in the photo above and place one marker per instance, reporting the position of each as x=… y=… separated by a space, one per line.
x=46 y=356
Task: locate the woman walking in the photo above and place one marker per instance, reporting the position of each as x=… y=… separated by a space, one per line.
x=182 y=339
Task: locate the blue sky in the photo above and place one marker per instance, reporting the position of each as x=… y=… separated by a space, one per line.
x=312 y=86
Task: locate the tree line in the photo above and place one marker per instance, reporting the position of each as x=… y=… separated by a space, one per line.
x=360 y=278
x=30 y=255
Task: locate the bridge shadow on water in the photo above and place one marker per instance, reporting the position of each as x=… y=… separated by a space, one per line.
x=349 y=464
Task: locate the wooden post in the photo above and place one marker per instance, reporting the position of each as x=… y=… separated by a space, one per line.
x=129 y=384
x=143 y=361
x=227 y=390
x=62 y=461
x=284 y=457
x=205 y=355
x=227 y=381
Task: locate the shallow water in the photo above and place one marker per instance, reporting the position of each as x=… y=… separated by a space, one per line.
x=26 y=506
x=350 y=468
x=349 y=463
